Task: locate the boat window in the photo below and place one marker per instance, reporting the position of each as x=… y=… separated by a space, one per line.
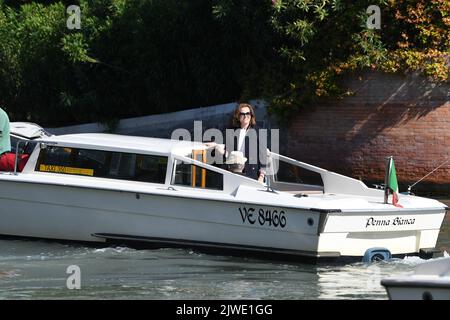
x=194 y=176
x=55 y=156
x=25 y=146
x=122 y=165
x=89 y=159
x=151 y=168
x=103 y=164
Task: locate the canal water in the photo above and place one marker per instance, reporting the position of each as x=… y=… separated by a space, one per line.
x=38 y=270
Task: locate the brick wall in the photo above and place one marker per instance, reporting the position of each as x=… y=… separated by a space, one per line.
x=403 y=116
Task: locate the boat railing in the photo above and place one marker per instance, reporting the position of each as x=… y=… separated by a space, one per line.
x=332 y=182
x=231 y=180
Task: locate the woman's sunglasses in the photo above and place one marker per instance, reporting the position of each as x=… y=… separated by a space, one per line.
x=243 y=114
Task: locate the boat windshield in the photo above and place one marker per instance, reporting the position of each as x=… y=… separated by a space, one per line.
x=190 y=175
x=292 y=176
x=24 y=146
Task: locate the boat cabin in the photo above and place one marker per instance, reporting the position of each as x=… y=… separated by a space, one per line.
x=165 y=162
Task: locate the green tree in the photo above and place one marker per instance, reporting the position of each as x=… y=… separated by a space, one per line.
x=140 y=57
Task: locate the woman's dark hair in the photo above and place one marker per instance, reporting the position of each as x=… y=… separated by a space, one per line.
x=236 y=116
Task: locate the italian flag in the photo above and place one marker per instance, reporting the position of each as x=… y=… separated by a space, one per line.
x=392 y=184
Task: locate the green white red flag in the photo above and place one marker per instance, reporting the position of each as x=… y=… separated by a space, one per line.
x=392 y=184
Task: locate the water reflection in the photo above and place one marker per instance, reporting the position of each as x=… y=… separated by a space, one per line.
x=362 y=280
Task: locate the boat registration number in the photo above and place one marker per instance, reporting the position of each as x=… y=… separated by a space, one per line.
x=263 y=217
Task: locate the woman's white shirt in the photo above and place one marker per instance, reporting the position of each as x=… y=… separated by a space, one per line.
x=241 y=141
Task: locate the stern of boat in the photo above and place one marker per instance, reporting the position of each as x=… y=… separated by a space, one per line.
x=401 y=231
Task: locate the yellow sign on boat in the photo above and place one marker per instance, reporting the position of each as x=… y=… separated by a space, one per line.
x=66 y=170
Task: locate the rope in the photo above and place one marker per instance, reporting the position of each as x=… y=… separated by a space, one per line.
x=409 y=188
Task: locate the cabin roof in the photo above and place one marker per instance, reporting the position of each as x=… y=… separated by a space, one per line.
x=27 y=130
x=121 y=142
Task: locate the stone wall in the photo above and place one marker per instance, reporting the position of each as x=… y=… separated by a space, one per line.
x=404 y=116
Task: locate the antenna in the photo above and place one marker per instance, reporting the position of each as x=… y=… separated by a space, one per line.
x=410 y=187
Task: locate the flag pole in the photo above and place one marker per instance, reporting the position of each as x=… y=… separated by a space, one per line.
x=386 y=179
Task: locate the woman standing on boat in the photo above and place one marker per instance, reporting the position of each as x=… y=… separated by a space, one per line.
x=246 y=140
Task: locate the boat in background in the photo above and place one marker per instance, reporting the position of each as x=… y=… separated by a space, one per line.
x=430 y=281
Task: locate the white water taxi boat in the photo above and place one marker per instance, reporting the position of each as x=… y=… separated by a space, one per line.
x=430 y=281
x=106 y=188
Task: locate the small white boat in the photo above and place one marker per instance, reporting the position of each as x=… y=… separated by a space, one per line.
x=106 y=188
x=430 y=281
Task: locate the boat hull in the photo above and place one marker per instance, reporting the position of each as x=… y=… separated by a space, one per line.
x=64 y=212
x=418 y=290
x=76 y=213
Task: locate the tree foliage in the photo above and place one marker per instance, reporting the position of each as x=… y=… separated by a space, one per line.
x=141 y=57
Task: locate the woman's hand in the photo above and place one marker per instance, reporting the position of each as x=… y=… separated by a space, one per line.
x=220 y=148
x=262 y=174
x=210 y=144
x=261 y=178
